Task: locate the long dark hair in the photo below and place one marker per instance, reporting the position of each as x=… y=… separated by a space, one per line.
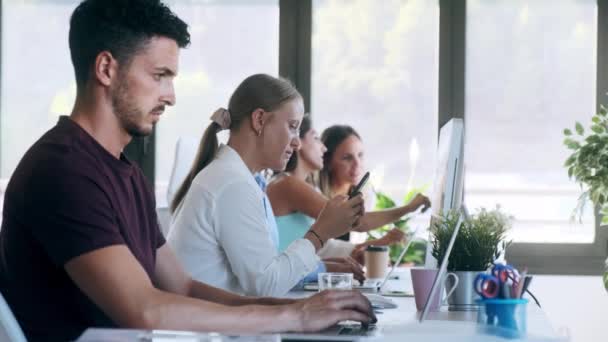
x=257 y=91
x=332 y=137
x=305 y=126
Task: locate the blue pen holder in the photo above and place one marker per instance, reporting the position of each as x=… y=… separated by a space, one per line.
x=502 y=317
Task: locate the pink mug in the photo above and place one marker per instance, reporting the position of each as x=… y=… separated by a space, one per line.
x=422 y=280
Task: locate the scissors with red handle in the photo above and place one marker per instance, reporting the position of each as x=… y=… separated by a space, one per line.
x=487 y=285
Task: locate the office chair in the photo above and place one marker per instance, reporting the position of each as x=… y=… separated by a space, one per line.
x=185 y=152
x=10 y=330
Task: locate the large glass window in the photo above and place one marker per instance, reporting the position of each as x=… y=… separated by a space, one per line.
x=530 y=73
x=375 y=67
x=230 y=41
x=37 y=75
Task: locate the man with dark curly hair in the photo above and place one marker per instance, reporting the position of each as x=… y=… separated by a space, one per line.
x=80 y=244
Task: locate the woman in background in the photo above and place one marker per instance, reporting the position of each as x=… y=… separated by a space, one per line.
x=223 y=227
x=342 y=169
x=296 y=202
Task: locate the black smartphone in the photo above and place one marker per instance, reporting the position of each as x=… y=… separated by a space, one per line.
x=354 y=191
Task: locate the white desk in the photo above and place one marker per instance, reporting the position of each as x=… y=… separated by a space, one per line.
x=442 y=325
x=399 y=325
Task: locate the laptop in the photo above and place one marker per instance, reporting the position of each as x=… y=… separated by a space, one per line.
x=443 y=266
x=375 y=285
x=346 y=331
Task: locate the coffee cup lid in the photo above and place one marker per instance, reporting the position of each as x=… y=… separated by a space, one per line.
x=372 y=248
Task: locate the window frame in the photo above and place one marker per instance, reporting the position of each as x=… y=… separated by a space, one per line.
x=540 y=258
x=295 y=45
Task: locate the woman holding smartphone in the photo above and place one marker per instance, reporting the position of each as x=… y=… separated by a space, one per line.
x=296 y=202
x=222 y=227
x=343 y=167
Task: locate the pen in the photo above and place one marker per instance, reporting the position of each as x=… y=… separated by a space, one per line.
x=527 y=281
x=519 y=291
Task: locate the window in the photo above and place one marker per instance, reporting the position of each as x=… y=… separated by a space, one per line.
x=530 y=73
x=375 y=67
x=230 y=41
x=37 y=76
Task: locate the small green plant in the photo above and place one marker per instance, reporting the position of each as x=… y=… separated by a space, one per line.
x=588 y=163
x=479 y=243
x=417 y=250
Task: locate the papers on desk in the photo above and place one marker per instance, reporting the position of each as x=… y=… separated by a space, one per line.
x=130 y=335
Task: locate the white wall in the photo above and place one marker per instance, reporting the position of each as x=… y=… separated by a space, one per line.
x=576 y=305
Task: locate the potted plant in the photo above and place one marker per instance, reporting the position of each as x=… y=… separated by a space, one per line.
x=588 y=165
x=480 y=241
x=417 y=250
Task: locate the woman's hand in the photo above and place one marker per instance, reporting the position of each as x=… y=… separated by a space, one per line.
x=394 y=236
x=420 y=201
x=345 y=265
x=358 y=253
x=338 y=216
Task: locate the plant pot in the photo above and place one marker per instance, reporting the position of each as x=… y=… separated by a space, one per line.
x=464 y=297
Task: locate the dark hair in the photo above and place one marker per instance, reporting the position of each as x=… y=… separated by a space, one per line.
x=257 y=91
x=122 y=27
x=305 y=126
x=332 y=137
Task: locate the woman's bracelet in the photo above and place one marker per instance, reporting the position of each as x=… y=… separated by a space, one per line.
x=317 y=236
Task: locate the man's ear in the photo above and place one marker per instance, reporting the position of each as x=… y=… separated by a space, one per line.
x=105 y=68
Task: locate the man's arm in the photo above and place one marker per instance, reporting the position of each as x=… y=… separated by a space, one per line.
x=113 y=279
x=169 y=275
x=126 y=294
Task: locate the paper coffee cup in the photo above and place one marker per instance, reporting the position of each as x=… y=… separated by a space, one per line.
x=376 y=261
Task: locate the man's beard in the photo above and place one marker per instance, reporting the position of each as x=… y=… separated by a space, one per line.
x=127 y=112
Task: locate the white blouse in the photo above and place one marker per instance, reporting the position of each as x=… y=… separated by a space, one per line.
x=222 y=238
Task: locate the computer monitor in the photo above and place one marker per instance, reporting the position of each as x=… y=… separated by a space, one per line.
x=448 y=182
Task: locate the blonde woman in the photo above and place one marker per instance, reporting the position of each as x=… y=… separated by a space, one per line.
x=223 y=227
